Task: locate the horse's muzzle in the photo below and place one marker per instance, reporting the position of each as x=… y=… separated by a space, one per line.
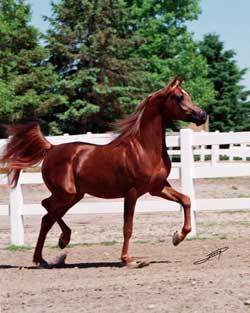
x=198 y=118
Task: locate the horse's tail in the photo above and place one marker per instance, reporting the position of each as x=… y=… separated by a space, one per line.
x=26 y=147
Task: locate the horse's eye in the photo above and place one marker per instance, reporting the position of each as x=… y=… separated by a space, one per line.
x=179 y=97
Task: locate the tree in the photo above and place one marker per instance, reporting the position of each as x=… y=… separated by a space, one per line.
x=111 y=54
x=230 y=110
x=168 y=48
x=25 y=79
x=89 y=43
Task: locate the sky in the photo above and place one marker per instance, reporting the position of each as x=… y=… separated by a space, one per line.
x=228 y=18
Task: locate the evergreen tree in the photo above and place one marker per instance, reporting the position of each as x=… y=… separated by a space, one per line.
x=111 y=54
x=89 y=43
x=230 y=110
x=25 y=80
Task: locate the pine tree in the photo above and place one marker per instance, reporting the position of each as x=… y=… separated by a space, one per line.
x=25 y=79
x=89 y=45
x=230 y=110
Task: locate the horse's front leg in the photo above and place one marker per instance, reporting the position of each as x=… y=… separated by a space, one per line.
x=129 y=208
x=171 y=194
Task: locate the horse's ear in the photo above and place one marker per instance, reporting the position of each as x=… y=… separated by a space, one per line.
x=175 y=82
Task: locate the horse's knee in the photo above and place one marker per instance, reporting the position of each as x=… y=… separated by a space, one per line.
x=47 y=204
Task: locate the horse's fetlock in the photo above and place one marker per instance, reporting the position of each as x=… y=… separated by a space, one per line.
x=187 y=229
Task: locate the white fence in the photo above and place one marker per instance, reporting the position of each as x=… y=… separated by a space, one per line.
x=186 y=145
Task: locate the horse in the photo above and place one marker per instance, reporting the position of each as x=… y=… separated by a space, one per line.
x=134 y=163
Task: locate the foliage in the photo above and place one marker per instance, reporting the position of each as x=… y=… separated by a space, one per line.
x=89 y=42
x=102 y=57
x=25 y=79
x=168 y=48
x=111 y=54
x=230 y=110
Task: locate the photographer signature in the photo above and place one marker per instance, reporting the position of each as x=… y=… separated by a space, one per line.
x=211 y=255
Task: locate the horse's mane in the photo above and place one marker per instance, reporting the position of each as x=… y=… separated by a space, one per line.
x=130 y=125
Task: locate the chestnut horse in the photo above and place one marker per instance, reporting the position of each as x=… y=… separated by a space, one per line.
x=134 y=163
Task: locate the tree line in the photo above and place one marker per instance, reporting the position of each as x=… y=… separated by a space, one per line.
x=100 y=58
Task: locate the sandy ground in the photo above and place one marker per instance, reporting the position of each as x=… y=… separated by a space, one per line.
x=94 y=280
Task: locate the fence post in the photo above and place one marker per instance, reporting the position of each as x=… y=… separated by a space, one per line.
x=215 y=152
x=187 y=169
x=202 y=148
x=243 y=147
x=16 y=218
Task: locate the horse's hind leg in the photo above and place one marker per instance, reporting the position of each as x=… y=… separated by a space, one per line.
x=46 y=224
x=56 y=209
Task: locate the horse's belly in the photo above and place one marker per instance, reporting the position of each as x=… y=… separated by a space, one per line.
x=103 y=184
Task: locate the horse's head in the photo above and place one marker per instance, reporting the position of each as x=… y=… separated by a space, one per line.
x=176 y=104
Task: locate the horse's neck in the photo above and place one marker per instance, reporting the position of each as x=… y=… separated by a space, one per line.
x=152 y=132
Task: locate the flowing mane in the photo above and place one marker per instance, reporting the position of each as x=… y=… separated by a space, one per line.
x=130 y=125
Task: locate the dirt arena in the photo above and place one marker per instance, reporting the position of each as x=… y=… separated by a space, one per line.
x=93 y=279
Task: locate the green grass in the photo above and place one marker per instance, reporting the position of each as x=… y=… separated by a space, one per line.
x=73 y=245
x=197 y=238
x=141 y=242
x=109 y=243
x=241 y=223
x=236 y=212
x=85 y=244
x=221 y=237
x=17 y=248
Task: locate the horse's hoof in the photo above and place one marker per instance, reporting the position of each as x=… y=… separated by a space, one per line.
x=44 y=265
x=137 y=264
x=61 y=244
x=176 y=238
x=127 y=260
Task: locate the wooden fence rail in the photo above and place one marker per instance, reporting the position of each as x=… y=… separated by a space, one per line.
x=186 y=145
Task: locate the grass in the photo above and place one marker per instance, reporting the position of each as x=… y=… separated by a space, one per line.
x=235 y=212
x=17 y=248
x=141 y=242
x=221 y=237
x=109 y=243
x=85 y=244
x=197 y=238
x=241 y=223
